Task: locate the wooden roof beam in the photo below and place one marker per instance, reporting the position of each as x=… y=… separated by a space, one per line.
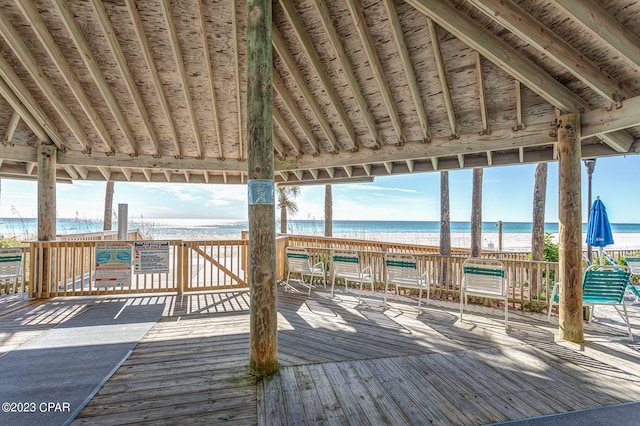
x=11 y=128
x=403 y=53
x=126 y=172
x=121 y=61
x=153 y=71
x=282 y=123
x=376 y=66
x=82 y=171
x=461 y=160
x=367 y=169
x=519 y=123
x=238 y=97
x=481 y=94
x=29 y=62
x=212 y=96
x=434 y=163
x=30 y=167
x=21 y=100
x=292 y=68
x=330 y=91
x=105 y=172
x=32 y=15
x=534 y=32
x=442 y=76
x=71 y=172
x=179 y=62
x=500 y=53
x=593 y=17
x=295 y=111
x=489 y=158
x=389 y=166
x=85 y=51
x=331 y=171
x=167 y=175
x=336 y=43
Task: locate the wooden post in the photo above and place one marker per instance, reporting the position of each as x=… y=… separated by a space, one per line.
x=47 y=156
x=262 y=261
x=570 y=215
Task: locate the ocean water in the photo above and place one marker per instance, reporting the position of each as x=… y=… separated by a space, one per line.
x=516 y=235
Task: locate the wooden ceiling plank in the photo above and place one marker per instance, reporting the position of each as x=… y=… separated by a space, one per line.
x=592 y=16
x=238 y=97
x=534 y=32
x=482 y=97
x=32 y=15
x=282 y=123
x=21 y=100
x=500 y=53
x=179 y=62
x=330 y=91
x=11 y=128
x=85 y=51
x=290 y=63
x=153 y=71
x=295 y=111
x=403 y=53
x=376 y=66
x=278 y=146
x=336 y=43
x=442 y=76
x=23 y=53
x=207 y=63
x=121 y=61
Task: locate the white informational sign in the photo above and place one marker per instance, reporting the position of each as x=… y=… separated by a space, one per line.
x=113 y=264
x=151 y=257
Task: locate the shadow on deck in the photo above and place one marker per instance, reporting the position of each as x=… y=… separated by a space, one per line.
x=344 y=363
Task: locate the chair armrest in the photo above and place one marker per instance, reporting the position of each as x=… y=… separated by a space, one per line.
x=366 y=270
x=319 y=265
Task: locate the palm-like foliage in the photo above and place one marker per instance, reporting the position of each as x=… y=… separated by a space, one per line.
x=286 y=195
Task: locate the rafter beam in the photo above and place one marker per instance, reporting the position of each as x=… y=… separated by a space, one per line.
x=179 y=63
x=593 y=17
x=329 y=90
x=407 y=66
x=336 y=43
x=11 y=128
x=518 y=99
x=85 y=51
x=376 y=66
x=535 y=33
x=29 y=62
x=238 y=97
x=30 y=167
x=32 y=15
x=291 y=66
x=282 y=123
x=153 y=71
x=481 y=94
x=21 y=100
x=105 y=172
x=500 y=53
x=278 y=84
x=442 y=76
x=126 y=173
x=167 y=175
x=207 y=65
x=121 y=61
x=434 y=163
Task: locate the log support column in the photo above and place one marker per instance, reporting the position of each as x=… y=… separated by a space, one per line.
x=47 y=157
x=262 y=260
x=570 y=216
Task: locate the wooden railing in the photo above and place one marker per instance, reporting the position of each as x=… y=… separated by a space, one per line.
x=529 y=281
x=68 y=268
x=132 y=235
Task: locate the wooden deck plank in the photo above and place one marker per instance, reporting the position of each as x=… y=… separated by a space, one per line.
x=347 y=364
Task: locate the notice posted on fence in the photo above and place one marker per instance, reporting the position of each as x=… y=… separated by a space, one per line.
x=151 y=257
x=113 y=264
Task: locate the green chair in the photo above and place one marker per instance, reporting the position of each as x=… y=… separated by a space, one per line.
x=601 y=285
x=299 y=262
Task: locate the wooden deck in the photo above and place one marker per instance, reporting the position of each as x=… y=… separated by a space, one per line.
x=343 y=363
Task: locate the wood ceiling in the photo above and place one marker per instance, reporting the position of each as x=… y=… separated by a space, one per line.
x=154 y=90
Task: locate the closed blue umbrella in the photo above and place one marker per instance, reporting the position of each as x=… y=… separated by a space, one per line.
x=599 y=229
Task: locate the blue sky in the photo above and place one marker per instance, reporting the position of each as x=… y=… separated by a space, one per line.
x=507 y=196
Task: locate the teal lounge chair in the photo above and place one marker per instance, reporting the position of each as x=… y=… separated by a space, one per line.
x=601 y=285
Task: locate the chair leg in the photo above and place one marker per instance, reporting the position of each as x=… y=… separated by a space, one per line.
x=419 y=299
x=462 y=296
x=333 y=283
x=386 y=289
x=506 y=313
